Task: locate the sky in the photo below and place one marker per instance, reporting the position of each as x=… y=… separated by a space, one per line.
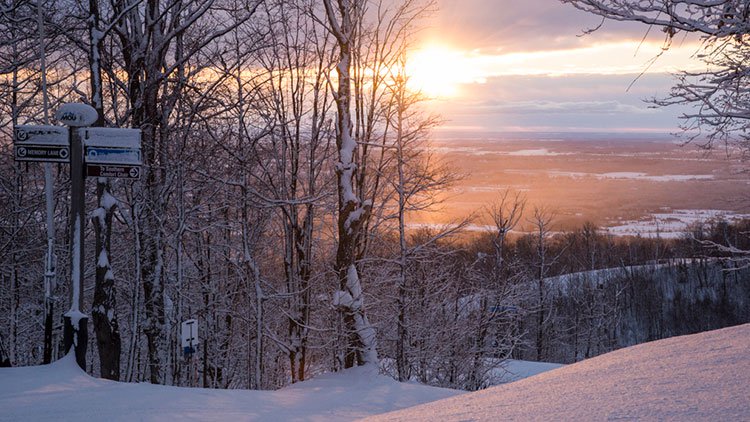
x=508 y=65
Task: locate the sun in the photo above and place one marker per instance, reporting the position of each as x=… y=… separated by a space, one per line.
x=438 y=72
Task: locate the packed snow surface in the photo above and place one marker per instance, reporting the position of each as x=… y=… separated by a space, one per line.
x=699 y=377
x=61 y=391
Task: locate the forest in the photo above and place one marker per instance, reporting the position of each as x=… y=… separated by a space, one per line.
x=284 y=155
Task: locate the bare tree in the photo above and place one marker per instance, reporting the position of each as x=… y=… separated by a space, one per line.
x=542 y=225
x=419 y=178
x=342 y=21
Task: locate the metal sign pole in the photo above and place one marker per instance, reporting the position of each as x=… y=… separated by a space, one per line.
x=76 y=332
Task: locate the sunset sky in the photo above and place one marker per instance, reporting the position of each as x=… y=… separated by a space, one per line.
x=499 y=65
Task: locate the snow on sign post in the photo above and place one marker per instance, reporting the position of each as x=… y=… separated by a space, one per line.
x=41 y=143
x=189 y=336
x=112 y=152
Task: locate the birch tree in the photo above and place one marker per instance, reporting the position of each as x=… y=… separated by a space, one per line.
x=342 y=17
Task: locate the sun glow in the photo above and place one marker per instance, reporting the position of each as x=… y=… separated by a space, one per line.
x=438 y=72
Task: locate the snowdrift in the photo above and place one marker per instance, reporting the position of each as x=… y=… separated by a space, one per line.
x=698 y=377
x=61 y=391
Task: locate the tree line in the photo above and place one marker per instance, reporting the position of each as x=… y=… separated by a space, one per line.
x=284 y=156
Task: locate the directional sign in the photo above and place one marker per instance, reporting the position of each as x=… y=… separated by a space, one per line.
x=41 y=135
x=123 y=156
x=123 y=172
x=45 y=153
x=111 y=137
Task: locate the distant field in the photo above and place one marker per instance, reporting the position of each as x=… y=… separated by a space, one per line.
x=611 y=180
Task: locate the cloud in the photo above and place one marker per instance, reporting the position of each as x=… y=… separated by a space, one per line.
x=566 y=103
x=564 y=107
x=528 y=25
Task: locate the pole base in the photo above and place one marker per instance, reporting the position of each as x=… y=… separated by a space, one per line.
x=76 y=337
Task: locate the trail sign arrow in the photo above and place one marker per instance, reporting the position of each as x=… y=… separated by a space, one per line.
x=118 y=171
x=42 y=153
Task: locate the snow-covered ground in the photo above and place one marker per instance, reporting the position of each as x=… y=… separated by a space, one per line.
x=671 y=224
x=699 y=377
x=62 y=392
x=514 y=370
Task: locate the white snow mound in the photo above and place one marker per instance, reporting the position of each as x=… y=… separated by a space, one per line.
x=61 y=391
x=698 y=377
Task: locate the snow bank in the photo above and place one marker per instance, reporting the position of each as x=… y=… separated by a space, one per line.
x=61 y=391
x=699 y=377
x=512 y=370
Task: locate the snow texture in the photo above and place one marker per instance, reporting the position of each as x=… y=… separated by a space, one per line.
x=103 y=261
x=75 y=316
x=61 y=391
x=512 y=370
x=107 y=200
x=111 y=137
x=699 y=377
x=76 y=273
x=342 y=298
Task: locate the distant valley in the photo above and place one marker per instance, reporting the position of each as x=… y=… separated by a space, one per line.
x=633 y=183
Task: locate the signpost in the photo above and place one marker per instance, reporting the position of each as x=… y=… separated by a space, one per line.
x=112 y=152
x=100 y=152
x=41 y=143
x=189 y=341
x=189 y=336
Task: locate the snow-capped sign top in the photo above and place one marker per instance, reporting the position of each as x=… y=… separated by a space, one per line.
x=76 y=114
x=111 y=137
x=41 y=135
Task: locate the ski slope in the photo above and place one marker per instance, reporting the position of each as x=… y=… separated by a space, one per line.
x=699 y=377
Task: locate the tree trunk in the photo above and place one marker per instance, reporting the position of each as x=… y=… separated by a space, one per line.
x=360 y=335
x=104 y=305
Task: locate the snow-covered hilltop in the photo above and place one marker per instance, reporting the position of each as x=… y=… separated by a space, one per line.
x=698 y=377
x=704 y=376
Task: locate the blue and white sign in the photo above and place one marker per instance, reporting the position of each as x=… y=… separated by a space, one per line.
x=112 y=152
x=124 y=156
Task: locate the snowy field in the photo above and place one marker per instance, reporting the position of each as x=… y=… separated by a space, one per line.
x=671 y=224
x=700 y=377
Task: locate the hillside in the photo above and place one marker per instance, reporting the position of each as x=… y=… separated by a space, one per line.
x=698 y=377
